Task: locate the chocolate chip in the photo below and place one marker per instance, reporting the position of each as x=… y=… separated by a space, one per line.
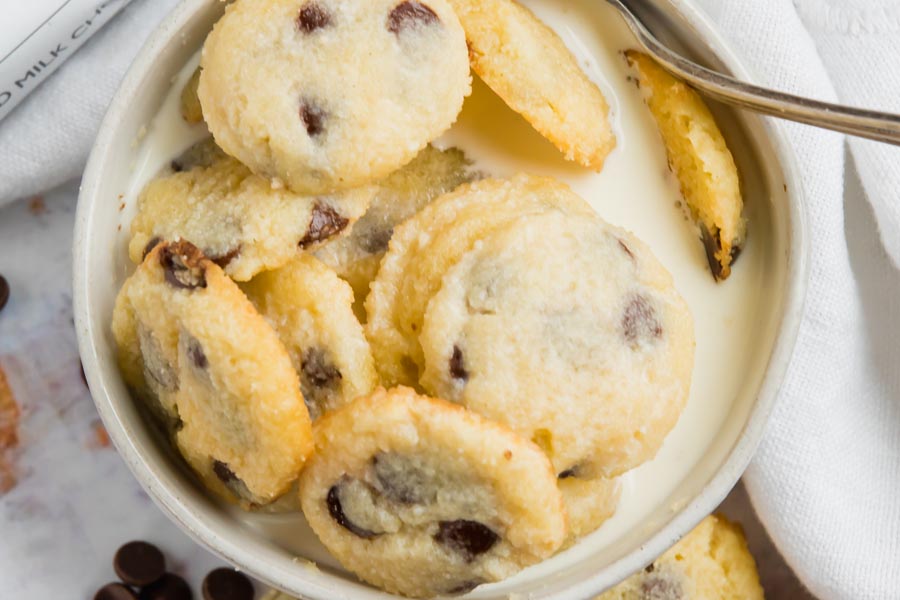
x=223 y=472
x=176 y=166
x=4 y=292
x=573 y=472
x=333 y=500
x=139 y=563
x=169 y=587
x=115 y=591
x=457 y=365
x=639 y=321
x=657 y=587
x=410 y=14
x=223 y=260
x=649 y=568
x=227 y=584
x=313 y=117
x=324 y=223
x=712 y=243
x=464 y=588
x=626 y=249
x=153 y=243
x=313 y=16
x=184 y=265
x=196 y=355
x=468 y=538
x=318 y=370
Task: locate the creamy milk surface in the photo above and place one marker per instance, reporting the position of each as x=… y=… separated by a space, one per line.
x=635 y=191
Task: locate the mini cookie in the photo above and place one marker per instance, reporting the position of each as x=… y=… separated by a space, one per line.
x=425 y=246
x=700 y=159
x=589 y=502
x=423 y=498
x=531 y=69
x=569 y=331
x=331 y=94
x=712 y=562
x=214 y=372
x=356 y=256
x=236 y=218
x=311 y=310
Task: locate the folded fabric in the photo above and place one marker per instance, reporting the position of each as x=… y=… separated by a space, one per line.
x=825 y=479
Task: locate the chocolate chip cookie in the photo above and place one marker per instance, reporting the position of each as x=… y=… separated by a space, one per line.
x=214 y=373
x=568 y=330
x=311 y=309
x=239 y=220
x=712 y=562
x=531 y=69
x=326 y=95
x=423 y=498
x=425 y=246
x=700 y=159
x=356 y=256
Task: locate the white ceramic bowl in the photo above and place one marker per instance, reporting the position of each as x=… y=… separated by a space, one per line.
x=254 y=544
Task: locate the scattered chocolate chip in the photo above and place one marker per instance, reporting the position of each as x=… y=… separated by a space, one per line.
x=4 y=292
x=313 y=16
x=324 y=223
x=657 y=587
x=318 y=370
x=626 y=249
x=153 y=243
x=573 y=472
x=227 y=584
x=457 y=365
x=333 y=500
x=713 y=245
x=649 y=568
x=184 y=265
x=223 y=260
x=639 y=321
x=115 y=591
x=409 y=14
x=464 y=588
x=313 y=117
x=196 y=355
x=468 y=538
x=139 y=563
x=169 y=587
x=377 y=241
x=223 y=472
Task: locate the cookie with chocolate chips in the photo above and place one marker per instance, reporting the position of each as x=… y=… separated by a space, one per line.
x=326 y=95
x=425 y=246
x=423 y=498
x=568 y=330
x=240 y=221
x=214 y=373
x=712 y=561
x=356 y=256
x=531 y=69
x=311 y=309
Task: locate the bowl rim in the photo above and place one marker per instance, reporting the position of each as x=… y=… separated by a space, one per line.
x=685 y=519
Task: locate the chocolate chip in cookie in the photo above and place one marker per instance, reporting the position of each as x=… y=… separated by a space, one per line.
x=313 y=16
x=468 y=538
x=410 y=14
x=458 y=365
x=324 y=223
x=313 y=117
x=336 y=510
x=184 y=265
x=640 y=323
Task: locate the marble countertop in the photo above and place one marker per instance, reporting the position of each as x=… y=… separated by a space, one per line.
x=67 y=501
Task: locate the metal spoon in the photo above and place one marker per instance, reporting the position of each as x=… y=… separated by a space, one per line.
x=874 y=125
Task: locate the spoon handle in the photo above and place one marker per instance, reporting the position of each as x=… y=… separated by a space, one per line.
x=874 y=125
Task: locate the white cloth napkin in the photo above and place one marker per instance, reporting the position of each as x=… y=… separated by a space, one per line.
x=826 y=479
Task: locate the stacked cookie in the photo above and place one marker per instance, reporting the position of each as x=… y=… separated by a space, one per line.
x=318 y=249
